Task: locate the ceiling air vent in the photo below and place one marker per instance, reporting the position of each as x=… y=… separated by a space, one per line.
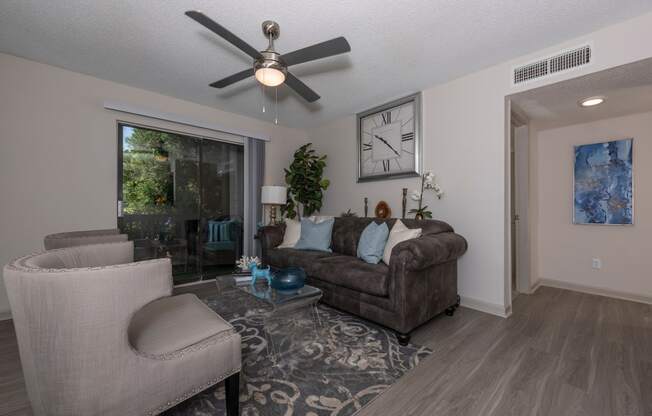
x=561 y=62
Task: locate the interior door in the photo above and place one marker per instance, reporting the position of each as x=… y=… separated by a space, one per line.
x=521 y=205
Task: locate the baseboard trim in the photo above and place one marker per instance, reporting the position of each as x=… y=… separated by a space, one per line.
x=5 y=316
x=534 y=288
x=591 y=290
x=487 y=307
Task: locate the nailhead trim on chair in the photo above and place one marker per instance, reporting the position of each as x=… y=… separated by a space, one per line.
x=198 y=346
x=192 y=392
x=19 y=263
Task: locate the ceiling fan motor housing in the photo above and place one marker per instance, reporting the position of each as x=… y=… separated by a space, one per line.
x=270 y=59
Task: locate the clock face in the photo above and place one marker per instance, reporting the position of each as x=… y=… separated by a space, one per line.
x=388 y=142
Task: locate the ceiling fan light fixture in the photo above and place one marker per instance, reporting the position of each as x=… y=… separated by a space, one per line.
x=270 y=77
x=270 y=69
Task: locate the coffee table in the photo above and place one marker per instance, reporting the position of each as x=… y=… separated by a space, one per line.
x=285 y=309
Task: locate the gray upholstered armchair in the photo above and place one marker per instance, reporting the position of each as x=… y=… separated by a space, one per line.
x=99 y=334
x=82 y=238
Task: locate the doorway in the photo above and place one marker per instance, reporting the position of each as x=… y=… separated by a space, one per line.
x=181 y=197
x=519 y=202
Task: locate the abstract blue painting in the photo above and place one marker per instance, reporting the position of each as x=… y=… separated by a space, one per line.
x=603 y=183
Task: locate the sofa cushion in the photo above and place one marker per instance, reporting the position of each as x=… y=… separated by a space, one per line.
x=173 y=323
x=398 y=234
x=292 y=233
x=315 y=236
x=372 y=242
x=353 y=273
x=286 y=257
x=347 y=231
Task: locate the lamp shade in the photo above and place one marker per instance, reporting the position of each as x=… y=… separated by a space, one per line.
x=275 y=195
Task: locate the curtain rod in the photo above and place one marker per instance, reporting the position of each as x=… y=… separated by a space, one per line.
x=145 y=112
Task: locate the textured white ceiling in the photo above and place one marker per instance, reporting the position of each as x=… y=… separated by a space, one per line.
x=627 y=88
x=398 y=47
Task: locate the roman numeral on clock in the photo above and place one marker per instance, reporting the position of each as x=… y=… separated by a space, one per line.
x=406 y=137
x=386 y=165
x=387 y=117
x=366 y=146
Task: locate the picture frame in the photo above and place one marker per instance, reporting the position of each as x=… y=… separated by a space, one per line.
x=389 y=140
x=603 y=169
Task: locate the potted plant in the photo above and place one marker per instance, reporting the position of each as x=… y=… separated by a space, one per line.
x=306 y=184
x=427 y=183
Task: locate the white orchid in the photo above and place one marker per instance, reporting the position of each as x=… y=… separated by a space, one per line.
x=427 y=182
x=438 y=191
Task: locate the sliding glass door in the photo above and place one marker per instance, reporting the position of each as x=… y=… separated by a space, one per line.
x=181 y=197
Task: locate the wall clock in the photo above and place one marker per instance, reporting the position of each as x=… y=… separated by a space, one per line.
x=389 y=140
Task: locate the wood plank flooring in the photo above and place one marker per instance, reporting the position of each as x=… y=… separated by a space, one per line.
x=561 y=353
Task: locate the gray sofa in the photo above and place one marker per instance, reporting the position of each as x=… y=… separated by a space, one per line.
x=99 y=334
x=419 y=283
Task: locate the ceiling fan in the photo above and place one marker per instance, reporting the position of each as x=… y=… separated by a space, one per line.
x=270 y=67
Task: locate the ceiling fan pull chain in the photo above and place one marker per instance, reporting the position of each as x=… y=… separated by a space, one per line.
x=275 y=105
x=262 y=95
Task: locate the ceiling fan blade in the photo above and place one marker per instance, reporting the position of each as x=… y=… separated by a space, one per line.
x=320 y=50
x=210 y=24
x=300 y=88
x=225 y=82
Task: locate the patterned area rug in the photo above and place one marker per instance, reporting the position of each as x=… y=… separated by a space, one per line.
x=312 y=362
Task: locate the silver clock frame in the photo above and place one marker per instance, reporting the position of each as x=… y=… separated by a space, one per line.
x=416 y=98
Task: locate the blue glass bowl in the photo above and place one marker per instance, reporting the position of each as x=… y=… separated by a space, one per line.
x=289 y=279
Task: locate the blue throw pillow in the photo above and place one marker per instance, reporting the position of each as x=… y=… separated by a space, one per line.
x=372 y=242
x=315 y=236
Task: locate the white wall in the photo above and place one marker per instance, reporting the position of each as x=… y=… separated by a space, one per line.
x=565 y=250
x=58 y=166
x=465 y=145
x=469 y=166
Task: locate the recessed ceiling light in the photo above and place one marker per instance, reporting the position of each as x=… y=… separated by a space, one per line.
x=591 y=101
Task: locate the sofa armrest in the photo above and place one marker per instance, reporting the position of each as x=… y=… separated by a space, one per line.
x=271 y=236
x=430 y=250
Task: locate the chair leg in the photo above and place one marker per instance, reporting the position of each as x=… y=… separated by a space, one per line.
x=232 y=387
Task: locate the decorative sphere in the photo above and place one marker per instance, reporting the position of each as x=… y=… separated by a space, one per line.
x=291 y=278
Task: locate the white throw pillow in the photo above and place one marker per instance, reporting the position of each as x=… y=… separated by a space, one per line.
x=398 y=234
x=292 y=233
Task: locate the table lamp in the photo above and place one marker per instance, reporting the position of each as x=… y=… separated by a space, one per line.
x=273 y=195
